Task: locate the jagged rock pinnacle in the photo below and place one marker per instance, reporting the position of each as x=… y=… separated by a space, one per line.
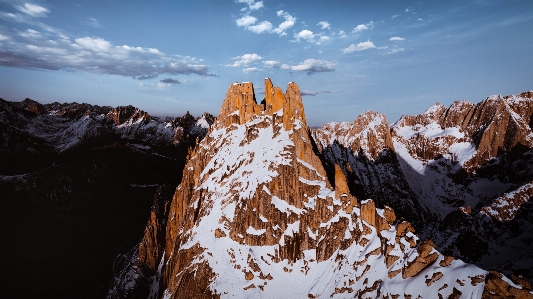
x=240 y=104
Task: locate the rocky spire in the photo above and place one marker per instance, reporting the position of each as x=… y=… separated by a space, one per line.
x=240 y=104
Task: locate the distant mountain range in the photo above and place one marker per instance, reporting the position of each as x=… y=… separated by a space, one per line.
x=254 y=203
x=77 y=182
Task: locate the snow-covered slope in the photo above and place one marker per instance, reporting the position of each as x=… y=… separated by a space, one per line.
x=256 y=216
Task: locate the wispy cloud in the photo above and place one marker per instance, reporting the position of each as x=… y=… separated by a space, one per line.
x=324 y=25
x=271 y=64
x=250 y=70
x=251 y=4
x=53 y=49
x=359 y=47
x=44 y=50
x=342 y=34
x=93 y=23
x=394 y=17
x=244 y=60
x=396 y=38
x=311 y=66
x=313 y=93
x=249 y=22
x=33 y=10
x=395 y=50
x=170 y=81
x=288 y=23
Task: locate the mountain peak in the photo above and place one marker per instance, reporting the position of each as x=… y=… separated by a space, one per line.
x=240 y=104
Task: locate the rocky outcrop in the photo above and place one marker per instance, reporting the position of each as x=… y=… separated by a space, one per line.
x=32 y=106
x=497 y=286
x=123 y=114
x=240 y=104
x=505 y=207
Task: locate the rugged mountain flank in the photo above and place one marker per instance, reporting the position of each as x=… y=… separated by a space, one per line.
x=76 y=190
x=467 y=169
x=257 y=214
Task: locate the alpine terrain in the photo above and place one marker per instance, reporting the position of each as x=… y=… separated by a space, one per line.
x=76 y=185
x=433 y=206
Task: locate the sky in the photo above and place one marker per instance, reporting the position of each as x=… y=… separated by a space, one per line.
x=169 y=57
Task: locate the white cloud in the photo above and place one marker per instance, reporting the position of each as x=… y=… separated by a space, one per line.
x=32 y=10
x=245 y=60
x=309 y=36
x=396 y=38
x=163 y=85
x=93 y=23
x=396 y=50
x=394 y=17
x=271 y=64
x=250 y=70
x=311 y=66
x=359 y=47
x=249 y=22
x=262 y=27
x=252 y=5
x=96 y=55
x=256 y=5
x=94 y=44
x=342 y=34
x=285 y=67
x=408 y=10
x=14 y=17
x=288 y=23
x=324 y=25
x=3 y=37
x=382 y=48
x=246 y=21
x=362 y=27
x=53 y=49
x=305 y=34
x=31 y=34
x=420 y=19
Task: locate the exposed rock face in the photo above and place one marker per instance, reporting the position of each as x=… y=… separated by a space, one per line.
x=365 y=153
x=258 y=215
x=121 y=114
x=496 y=124
x=505 y=208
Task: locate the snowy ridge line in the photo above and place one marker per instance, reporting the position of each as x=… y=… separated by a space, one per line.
x=505 y=207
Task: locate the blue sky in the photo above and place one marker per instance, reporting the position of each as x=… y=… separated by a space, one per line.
x=168 y=57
